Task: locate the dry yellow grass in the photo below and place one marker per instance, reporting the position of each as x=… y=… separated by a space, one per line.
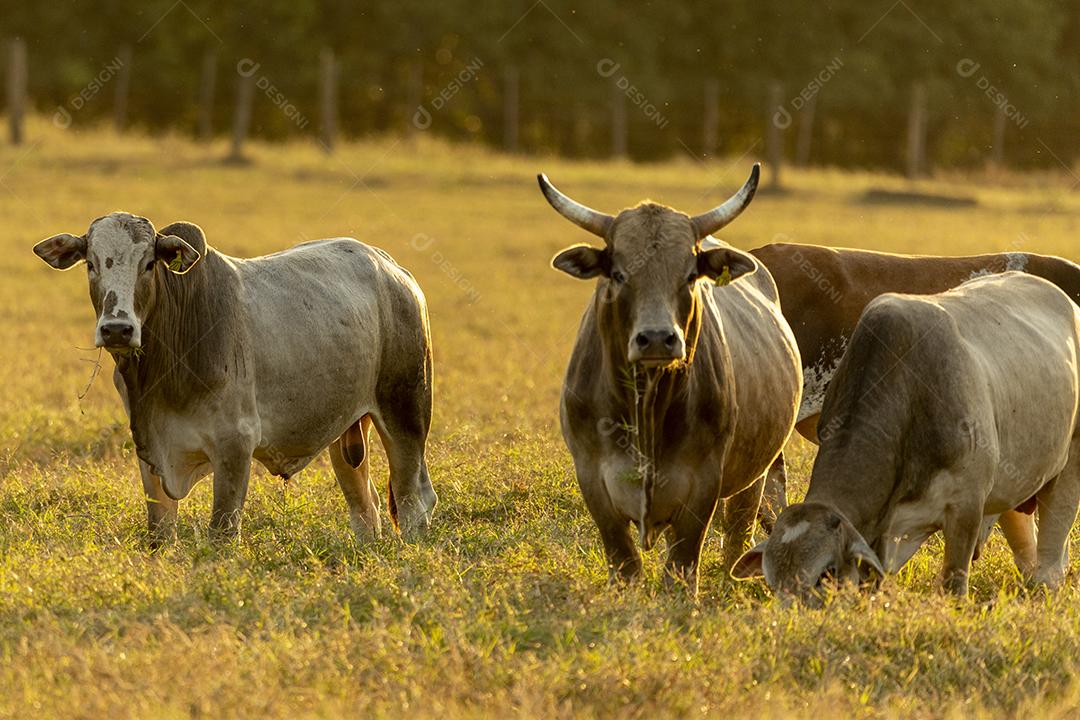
x=504 y=607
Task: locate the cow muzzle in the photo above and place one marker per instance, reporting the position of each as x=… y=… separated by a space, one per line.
x=118 y=335
x=658 y=346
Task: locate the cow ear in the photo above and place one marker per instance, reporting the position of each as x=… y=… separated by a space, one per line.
x=176 y=253
x=582 y=262
x=864 y=558
x=725 y=264
x=750 y=564
x=62 y=251
x=191 y=233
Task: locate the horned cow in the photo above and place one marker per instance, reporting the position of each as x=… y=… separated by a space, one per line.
x=683 y=384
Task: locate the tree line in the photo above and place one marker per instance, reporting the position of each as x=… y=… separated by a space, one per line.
x=869 y=83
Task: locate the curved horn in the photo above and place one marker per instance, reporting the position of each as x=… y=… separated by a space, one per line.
x=595 y=222
x=710 y=222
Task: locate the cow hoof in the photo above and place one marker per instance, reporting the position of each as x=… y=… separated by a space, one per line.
x=410 y=532
x=1048 y=580
x=223 y=536
x=413 y=521
x=160 y=535
x=366 y=533
x=157 y=541
x=1027 y=569
x=681 y=584
x=624 y=574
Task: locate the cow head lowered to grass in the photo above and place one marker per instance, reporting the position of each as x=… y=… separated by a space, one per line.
x=123 y=253
x=683 y=383
x=945 y=411
x=811 y=550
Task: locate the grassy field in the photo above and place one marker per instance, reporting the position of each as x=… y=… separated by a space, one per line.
x=504 y=606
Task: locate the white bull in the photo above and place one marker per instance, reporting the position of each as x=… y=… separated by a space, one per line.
x=220 y=360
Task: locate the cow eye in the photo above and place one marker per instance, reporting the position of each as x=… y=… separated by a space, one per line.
x=89 y=266
x=149 y=266
x=691 y=278
x=618 y=276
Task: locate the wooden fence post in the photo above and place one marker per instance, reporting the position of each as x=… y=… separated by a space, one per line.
x=805 y=139
x=618 y=122
x=582 y=127
x=206 y=95
x=916 y=138
x=245 y=96
x=328 y=72
x=711 y=118
x=997 y=143
x=16 y=88
x=414 y=121
x=774 y=136
x=123 y=87
x=511 y=96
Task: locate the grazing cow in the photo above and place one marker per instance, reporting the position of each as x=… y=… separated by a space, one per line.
x=222 y=359
x=824 y=290
x=945 y=409
x=684 y=381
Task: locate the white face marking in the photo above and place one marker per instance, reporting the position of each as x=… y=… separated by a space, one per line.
x=795 y=531
x=117 y=263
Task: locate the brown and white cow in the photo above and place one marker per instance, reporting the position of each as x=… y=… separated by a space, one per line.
x=220 y=360
x=824 y=290
x=684 y=381
x=945 y=409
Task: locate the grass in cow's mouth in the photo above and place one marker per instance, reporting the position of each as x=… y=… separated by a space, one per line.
x=126 y=352
x=504 y=608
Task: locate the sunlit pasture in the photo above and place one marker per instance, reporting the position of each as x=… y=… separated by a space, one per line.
x=505 y=605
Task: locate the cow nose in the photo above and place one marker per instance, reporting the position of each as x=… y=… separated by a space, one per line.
x=656 y=339
x=662 y=345
x=117 y=333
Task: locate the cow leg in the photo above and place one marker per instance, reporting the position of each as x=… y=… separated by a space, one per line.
x=686 y=537
x=774 y=498
x=231 y=474
x=360 y=494
x=620 y=545
x=1058 y=501
x=740 y=511
x=963 y=526
x=988 y=523
x=1019 y=531
x=160 y=508
x=403 y=396
x=623 y=558
x=412 y=498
